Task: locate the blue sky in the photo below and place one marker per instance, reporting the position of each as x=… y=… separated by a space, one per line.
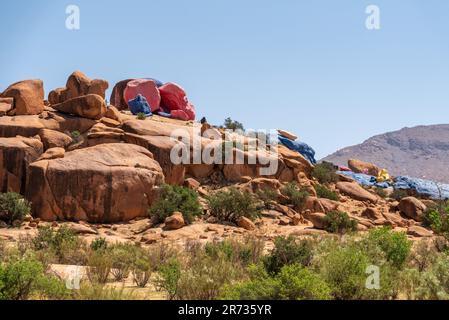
x=310 y=67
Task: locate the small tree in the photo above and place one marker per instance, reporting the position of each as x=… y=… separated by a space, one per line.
x=13 y=207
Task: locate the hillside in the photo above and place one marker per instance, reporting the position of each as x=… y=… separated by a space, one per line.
x=421 y=152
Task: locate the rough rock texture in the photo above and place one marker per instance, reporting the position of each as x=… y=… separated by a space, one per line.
x=418 y=231
x=15 y=156
x=359 y=166
x=6 y=105
x=246 y=224
x=318 y=219
x=91 y=106
x=28 y=96
x=175 y=221
x=106 y=183
x=421 y=152
x=356 y=192
x=25 y=126
x=78 y=84
x=412 y=208
x=53 y=139
x=117 y=99
x=52 y=153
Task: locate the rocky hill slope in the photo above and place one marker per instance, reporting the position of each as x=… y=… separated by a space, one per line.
x=421 y=152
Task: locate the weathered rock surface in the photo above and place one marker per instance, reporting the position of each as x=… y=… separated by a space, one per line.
x=412 y=208
x=78 y=84
x=15 y=156
x=356 y=192
x=54 y=139
x=52 y=153
x=90 y=106
x=175 y=221
x=6 y=105
x=107 y=183
x=28 y=96
x=359 y=166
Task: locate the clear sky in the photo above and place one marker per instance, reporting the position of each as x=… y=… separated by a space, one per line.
x=310 y=67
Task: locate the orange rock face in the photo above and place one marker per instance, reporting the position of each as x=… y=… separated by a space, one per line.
x=102 y=184
x=28 y=96
x=91 y=106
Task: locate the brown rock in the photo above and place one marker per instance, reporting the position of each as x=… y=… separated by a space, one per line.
x=28 y=96
x=150 y=238
x=103 y=184
x=6 y=105
x=52 y=153
x=25 y=126
x=117 y=98
x=372 y=214
x=314 y=205
x=412 y=208
x=284 y=221
x=82 y=229
x=395 y=219
x=175 y=221
x=191 y=184
x=91 y=106
x=54 y=139
x=113 y=113
x=417 y=231
x=359 y=166
x=287 y=134
x=16 y=154
x=200 y=171
x=328 y=205
x=109 y=122
x=355 y=191
x=297 y=219
x=246 y=224
x=78 y=84
x=318 y=219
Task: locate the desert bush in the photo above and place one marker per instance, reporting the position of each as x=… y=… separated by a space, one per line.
x=63 y=243
x=267 y=196
x=395 y=246
x=325 y=173
x=89 y=291
x=434 y=283
x=398 y=194
x=324 y=192
x=176 y=199
x=122 y=258
x=99 y=244
x=232 y=204
x=168 y=278
x=141 y=267
x=381 y=192
x=438 y=219
x=293 y=282
x=296 y=196
x=423 y=255
x=340 y=222
x=233 y=125
x=240 y=252
x=141 y=116
x=24 y=277
x=288 y=251
x=13 y=207
x=99 y=267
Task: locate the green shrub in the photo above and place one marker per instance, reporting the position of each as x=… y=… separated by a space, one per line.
x=340 y=222
x=232 y=204
x=99 y=244
x=323 y=192
x=296 y=196
x=13 y=207
x=395 y=245
x=240 y=252
x=325 y=173
x=438 y=219
x=89 y=291
x=288 y=251
x=141 y=116
x=141 y=267
x=398 y=194
x=21 y=278
x=63 y=243
x=122 y=259
x=169 y=275
x=294 y=282
x=267 y=196
x=434 y=283
x=75 y=134
x=176 y=199
x=99 y=267
x=233 y=125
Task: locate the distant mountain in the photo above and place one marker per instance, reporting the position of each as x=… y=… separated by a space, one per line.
x=421 y=152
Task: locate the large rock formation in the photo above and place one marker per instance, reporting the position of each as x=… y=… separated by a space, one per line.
x=78 y=84
x=28 y=96
x=15 y=156
x=105 y=183
x=90 y=106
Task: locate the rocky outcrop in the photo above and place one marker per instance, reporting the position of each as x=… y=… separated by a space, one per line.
x=175 y=221
x=412 y=208
x=355 y=191
x=107 y=183
x=28 y=96
x=53 y=139
x=78 y=84
x=359 y=166
x=16 y=154
x=90 y=106
x=117 y=99
x=6 y=105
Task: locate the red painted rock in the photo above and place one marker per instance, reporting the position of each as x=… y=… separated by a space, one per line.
x=146 y=88
x=174 y=100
